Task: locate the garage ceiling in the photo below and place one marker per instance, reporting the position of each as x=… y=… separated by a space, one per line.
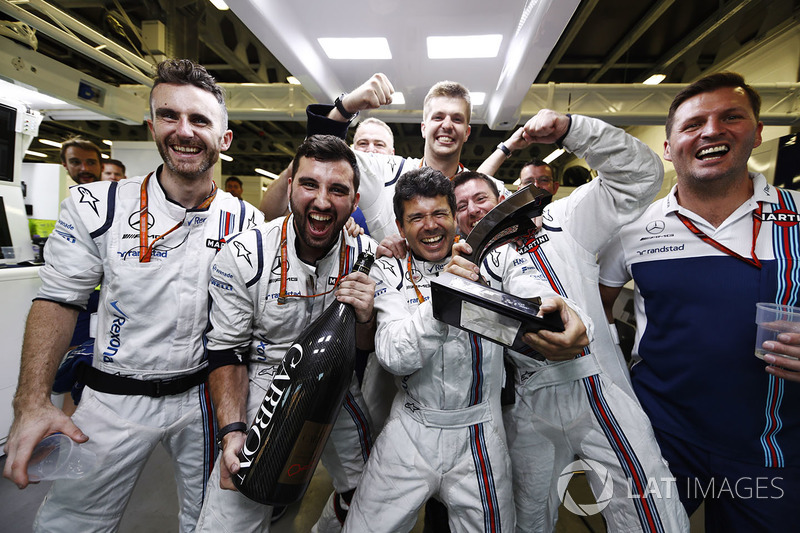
x=545 y=43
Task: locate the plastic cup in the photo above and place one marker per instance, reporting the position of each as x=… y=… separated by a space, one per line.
x=773 y=319
x=57 y=457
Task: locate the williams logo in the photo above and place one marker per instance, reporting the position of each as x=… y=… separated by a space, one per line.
x=782 y=217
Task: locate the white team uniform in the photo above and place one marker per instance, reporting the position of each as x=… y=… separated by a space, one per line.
x=444 y=437
x=585 y=407
x=245 y=317
x=151 y=320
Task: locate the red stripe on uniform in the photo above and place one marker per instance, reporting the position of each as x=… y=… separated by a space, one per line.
x=634 y=475
x=485 y=478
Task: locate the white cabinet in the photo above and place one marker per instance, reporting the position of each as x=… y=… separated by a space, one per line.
x=18 y=287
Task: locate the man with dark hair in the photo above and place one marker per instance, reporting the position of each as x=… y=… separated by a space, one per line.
x=233 y=185
x=539 y=174
x=582 y=407
x=444 y=437
x=150 y=240
x=113 y=170
x=258 y=310
x=722 y=240
x=82 y=159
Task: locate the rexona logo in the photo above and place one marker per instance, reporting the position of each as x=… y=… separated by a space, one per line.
x=782 y=217
x=114 y=332
x=587 y=465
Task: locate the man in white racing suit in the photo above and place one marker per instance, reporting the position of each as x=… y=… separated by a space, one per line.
x=260 y=304
x=582 y=406
x=444 y=437
x=150 y=240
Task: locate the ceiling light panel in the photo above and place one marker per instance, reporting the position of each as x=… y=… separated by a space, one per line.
x=355 y=47
x=464 y=46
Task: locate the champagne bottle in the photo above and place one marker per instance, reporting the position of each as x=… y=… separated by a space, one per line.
x=286 y=439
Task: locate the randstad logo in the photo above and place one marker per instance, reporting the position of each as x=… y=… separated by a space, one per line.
x=602 y=473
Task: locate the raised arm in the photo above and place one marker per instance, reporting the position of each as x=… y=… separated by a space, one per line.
x=517 y=141
x=275 y=202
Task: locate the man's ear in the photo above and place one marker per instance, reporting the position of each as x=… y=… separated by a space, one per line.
x=667 y=155
x=227 y=139
x=400 y=228
x=759 y=128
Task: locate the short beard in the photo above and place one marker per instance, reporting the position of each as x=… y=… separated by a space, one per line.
x=163 y=150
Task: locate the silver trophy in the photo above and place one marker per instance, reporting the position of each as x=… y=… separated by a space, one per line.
x=480 y=309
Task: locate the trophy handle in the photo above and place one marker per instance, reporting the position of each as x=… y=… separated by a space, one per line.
x=511 y=219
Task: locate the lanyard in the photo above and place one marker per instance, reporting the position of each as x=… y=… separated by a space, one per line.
x=145 y=250
x=282 y=296
x=420 y=298
x=754 y=260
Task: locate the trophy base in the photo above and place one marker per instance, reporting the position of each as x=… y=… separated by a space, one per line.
x=489 y=313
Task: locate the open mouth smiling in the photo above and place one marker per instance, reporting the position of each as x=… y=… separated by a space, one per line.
x=714 y=152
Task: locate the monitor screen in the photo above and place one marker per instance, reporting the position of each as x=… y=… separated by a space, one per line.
x=6 y=245
x=8 y=119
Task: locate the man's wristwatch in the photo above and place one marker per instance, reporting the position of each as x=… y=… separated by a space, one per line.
x=340 y=107
x=230 y=428
x=503 y=148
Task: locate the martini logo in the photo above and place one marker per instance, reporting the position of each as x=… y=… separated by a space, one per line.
x=585 y=509
x=782 y=217
x=532 y=242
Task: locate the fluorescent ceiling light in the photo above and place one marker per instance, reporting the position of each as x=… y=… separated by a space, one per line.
x=293 y=80
x=219 y=4
x=107 y=142
x=267 y=173
x=464 y=46
x=398 y=98
x=356 y=47
x=36 y=154
x=655 y=79
x=477 y=98
x=31 y=97
x=48 y=142
x=553 y=155
x=105 y=156
x=225 y=157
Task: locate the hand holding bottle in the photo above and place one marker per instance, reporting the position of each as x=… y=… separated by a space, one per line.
x=233 y=443
x=358 y=290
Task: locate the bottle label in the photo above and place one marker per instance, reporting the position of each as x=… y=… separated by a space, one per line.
x=272 y=399
x=305 y=454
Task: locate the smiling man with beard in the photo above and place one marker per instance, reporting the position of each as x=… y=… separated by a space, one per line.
x=261 y=304
x=150 y=240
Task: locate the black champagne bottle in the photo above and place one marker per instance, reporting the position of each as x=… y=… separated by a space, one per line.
x=285 y=441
